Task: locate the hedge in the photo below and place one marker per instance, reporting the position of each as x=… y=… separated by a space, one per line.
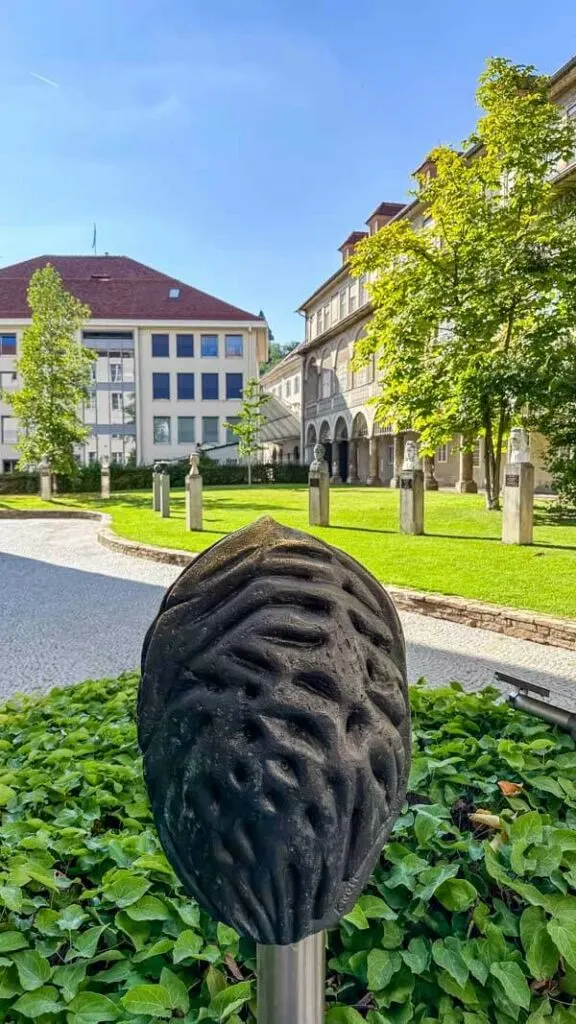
x=470 y=916
x=134 y=478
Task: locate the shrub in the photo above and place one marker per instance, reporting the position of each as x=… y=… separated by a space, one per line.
x=470 y=916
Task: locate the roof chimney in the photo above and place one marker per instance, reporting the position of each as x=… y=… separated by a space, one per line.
x=426 y=170
x=382 y=214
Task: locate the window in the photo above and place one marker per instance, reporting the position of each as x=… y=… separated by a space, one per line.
x=8 y=430
x=93 y=371
x=209 y=386
x=319 y=321
x=91 y=400
x=115 y=372
x=160 y=385
x=116 y=399
x=442 y=453
x=231 y=437
x=173 y=293
x=234 y=345
x=363 y=292
x=210 y=433
x=326 y=383
x=185 y=386
x=160 y=345
x=184 y=345
x=352 y=298
x=161 y=430
x=91 y=458
x=288 y=388
x=209 y=345
x=7 y=344
x=571 y=110
x=296 y=385
x=326 y=317
x=186 y=430
x=234 y=384
x=343 y=304
x=390 y=454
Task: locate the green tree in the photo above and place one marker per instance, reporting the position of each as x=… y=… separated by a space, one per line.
x=475 y=305
x=251 y=419
x=276 y=353
x=54 y=370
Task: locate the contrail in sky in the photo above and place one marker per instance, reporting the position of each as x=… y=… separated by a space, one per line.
x=48 y=81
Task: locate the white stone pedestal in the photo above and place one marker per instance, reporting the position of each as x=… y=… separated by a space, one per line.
x=45 y=481
x=165 y=494
x=194 y=495
x=412 y=501
x=319 y=489
x=105 y=477
x=518 y=515
x=156 y=489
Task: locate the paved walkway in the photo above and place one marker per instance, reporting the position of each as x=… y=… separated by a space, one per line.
x=71 y=610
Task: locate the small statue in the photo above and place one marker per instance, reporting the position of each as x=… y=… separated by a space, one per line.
x=319 y=461
x=518 y=447
x=105 y=462
x=194 y=460
x=411 y=456
x=44 y=464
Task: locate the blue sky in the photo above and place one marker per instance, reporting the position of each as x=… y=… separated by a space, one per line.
x=236 y=143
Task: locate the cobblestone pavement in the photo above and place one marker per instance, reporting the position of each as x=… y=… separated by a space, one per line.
x=71 y=610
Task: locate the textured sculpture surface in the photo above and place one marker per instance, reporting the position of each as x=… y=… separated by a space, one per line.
x=273 y=718
x=194 y=461
x=318 y=461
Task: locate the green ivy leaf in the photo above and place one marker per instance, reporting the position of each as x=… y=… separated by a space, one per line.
x=446 y=953
x=375 y=908
x=149 y=908
x=226 y=1002
x=344 y=1015
x=542 y=956
x=176 y=989
x=417 y=956
x=41 y=1001
x=93 y=1008
x=11 y=941
x=71 y=918
x=381 y=968
x=188 y=944
x=513 y=981
x=563 y=934
x=456 y=894
x=226 y=936
x=33 y=969
x=6 y=794
x=357 y=917
x=147 y=1000
x=527 y=828
x=124 y=888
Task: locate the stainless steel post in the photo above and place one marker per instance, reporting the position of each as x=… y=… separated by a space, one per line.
x=291 y=982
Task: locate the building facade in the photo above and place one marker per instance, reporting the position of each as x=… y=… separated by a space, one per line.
x=336 y=399
x=171 y=361
x=281 y=436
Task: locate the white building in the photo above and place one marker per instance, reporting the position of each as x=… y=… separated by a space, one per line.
x=171 y=360
x=281 y=436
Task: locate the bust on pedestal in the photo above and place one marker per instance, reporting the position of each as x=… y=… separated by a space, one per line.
x=45 y=480
x=105 y=476
x=411 y=491
x=518 y=515
x=319 y=489
x=156 y=487
x=164 y=490
x=194 y=495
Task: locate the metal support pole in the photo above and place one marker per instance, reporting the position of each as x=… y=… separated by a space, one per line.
x=291 y=982
x=547 y=712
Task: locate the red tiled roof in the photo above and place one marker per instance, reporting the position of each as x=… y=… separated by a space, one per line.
x=386 y=210
x=115 y=288
x=354 y=238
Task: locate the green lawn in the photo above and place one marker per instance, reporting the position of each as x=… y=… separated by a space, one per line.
x=460 y=554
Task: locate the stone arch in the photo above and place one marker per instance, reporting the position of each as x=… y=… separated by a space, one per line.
x=360 y=426
x=341 y=429
x=325 y=432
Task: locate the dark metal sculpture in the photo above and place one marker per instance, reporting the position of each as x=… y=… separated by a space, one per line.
x=274 y=722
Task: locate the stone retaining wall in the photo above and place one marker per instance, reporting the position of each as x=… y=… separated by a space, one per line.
x=525 y=625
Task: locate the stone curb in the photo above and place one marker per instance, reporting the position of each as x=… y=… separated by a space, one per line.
x=524 y=625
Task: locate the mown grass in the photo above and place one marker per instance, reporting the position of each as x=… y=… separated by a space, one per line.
x=460 y=554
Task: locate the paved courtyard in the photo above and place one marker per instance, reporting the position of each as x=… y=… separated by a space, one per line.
x=71 y=610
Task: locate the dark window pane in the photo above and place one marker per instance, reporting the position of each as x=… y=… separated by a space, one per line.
x=160 y=385
x=184 y=345
x=160 y=345
x=209 y=345
x=185 y=385
x=234 y=383
x=210 y=429
x=234 y=345
x=209 y=386
x=186 y=430
x=7 y=344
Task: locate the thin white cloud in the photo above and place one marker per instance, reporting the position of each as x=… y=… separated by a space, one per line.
x=48 y=81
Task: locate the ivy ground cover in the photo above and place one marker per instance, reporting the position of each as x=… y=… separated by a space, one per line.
x=470 y=916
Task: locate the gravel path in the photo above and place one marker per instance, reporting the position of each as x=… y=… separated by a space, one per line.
x=70 y=610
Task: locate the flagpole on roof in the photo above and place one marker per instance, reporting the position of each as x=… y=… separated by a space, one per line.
x=94 y=240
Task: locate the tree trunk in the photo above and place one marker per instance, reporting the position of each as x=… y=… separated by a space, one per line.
x=488 y=461
x=249 y=471
x=502 y=424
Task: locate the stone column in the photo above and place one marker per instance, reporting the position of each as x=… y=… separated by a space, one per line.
x=319 y=489
x=411 y=492
x=399 y=443
x=466 y=483
x=373 y=474
x=45 y=480
x=164 y=491
x=336 y=478
x=352 y=461
x=194 y=495
x=156 y=487
x=105 y=476
x=518 y=515
x=430 y=481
